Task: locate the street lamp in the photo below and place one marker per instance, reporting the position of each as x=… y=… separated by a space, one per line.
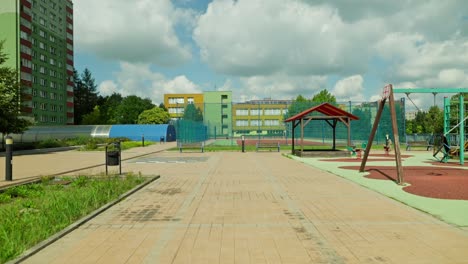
x=8 y=158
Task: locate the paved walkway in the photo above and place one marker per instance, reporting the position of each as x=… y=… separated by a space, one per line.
x=26 y=167
x=254 y=208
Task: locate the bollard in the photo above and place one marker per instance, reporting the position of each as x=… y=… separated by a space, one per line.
x=243 y=144
x=8 y=158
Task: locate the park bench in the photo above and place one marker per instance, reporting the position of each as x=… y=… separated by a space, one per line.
x=268 y=145
x=425 y=144
x=192 y=145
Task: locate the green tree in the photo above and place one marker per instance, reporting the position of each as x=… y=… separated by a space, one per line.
x=434 y=121
x=10 y=106
x=193 y=113
x=161 y=105
x=130 y=108
x=324 y=97
x=107 y=106
x=85 y=94
x=155 y=115
x=93 y=118
x=298 y=105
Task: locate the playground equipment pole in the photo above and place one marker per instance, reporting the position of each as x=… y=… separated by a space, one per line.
x=462 y=129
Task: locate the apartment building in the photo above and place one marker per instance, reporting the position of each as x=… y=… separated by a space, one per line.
x=38 y=37
x=263 y=117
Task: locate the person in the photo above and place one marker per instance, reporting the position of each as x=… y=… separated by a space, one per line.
x=388 y=144
x=161 y=140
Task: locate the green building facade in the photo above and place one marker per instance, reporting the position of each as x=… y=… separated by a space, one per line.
x=217 y=113
x=38 y=37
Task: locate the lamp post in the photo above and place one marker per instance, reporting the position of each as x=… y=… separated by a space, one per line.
x=8 y=158
x=243 y=143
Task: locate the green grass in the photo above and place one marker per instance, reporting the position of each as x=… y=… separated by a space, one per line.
x=31 y=213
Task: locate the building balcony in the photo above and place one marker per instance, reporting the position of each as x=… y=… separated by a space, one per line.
x=70 y=104
x=26 y=97
x=26 y=109
x=70 y=114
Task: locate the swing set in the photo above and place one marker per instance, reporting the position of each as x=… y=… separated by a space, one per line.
x=443 y=143
x=387 y=94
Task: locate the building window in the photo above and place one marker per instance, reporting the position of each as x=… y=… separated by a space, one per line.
x=255 y=122
x=242 y=112
x=275 y=112
x=176 y=110
x=190 y=100
x=242 y=122
x=26 y=50
x=255 y=112
x=24 y=35
x=271 y=122
x=176 y=100
x=26 y=63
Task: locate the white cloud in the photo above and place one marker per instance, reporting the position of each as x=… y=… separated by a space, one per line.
x=139 y=80
x=264 y=37
x=281 y=48
x=279 y=86
x=349 y=89
x=133 y=31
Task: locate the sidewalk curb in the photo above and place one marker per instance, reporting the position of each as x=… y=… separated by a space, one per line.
x=35 y=249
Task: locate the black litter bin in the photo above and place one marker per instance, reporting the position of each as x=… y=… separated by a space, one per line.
x=113 y=158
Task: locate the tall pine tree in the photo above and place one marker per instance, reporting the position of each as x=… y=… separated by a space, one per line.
x=86 y=96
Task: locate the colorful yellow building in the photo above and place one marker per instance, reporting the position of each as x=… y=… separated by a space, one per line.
x=176 y=103
x=259 y=117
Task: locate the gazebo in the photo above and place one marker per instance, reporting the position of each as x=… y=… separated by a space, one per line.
x=330 y=114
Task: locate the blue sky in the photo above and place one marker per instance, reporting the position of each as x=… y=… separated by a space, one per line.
x=272 y=48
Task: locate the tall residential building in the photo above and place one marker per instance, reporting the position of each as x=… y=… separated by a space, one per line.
x=38 y=37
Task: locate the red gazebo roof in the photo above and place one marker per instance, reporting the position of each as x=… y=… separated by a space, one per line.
x=326 y=109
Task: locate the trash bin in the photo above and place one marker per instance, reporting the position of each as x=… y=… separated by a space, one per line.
x=113 y=158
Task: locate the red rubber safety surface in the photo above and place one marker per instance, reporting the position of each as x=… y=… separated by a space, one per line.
x=434 y=182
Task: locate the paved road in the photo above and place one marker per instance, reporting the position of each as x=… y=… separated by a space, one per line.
x=254 y=208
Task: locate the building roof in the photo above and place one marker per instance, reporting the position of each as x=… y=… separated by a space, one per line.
x=326 y=109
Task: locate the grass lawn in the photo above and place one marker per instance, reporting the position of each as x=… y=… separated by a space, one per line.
x=32 y=213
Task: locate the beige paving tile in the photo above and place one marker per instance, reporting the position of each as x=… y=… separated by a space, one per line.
x=256 y=208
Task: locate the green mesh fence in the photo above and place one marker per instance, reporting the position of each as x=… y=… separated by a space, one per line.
x=265 y=120
x=189 y=131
